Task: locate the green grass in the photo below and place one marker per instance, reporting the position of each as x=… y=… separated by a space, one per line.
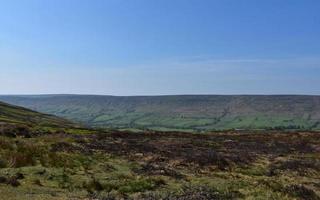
x=59 y=174
x=23 y=116
x=196 y=112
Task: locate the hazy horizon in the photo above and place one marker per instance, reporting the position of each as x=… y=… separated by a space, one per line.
x=130 y=48
x=155 y=95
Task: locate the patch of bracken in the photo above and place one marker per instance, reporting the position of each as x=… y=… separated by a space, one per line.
x=13 y=130
x=220 y=150
x=12 y=180
x=301 y=192
x=153 y=169
x=99 y=196
x=68 y=147
x=193 y=193
x=302 y=166
x=3 y=179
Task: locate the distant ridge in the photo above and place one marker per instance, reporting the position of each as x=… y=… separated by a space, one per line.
x=181 y=112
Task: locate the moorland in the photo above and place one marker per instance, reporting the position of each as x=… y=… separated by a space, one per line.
x=46 y=157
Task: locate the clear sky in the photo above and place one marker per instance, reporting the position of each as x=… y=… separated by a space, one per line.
x=150 y=47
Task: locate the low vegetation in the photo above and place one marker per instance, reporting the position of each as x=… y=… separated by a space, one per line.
x=23 y=117
x=155 y=165
x=49 y=161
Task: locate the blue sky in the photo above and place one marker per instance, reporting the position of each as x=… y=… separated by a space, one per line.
x=150 y=47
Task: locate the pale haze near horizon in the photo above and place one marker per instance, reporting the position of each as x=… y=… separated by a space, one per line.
x=160 y=47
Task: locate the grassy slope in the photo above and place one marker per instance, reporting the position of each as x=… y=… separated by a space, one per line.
x=22 y=116
x=191 y=112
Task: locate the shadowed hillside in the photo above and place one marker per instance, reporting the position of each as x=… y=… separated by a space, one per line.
x=185 y=112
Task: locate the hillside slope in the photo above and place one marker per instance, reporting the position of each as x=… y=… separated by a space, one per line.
x=10 y=114
x=185 y=112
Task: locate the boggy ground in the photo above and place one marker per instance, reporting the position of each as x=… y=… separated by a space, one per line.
x=155 y=165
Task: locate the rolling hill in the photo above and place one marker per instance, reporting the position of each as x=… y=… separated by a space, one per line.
x=15 y=115
x=181 y=112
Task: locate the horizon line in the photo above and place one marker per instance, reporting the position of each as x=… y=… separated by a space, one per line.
x=158 y=95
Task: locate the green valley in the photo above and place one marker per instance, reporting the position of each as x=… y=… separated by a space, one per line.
x=181 y=112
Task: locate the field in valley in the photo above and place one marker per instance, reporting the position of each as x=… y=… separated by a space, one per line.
x=187 y=113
